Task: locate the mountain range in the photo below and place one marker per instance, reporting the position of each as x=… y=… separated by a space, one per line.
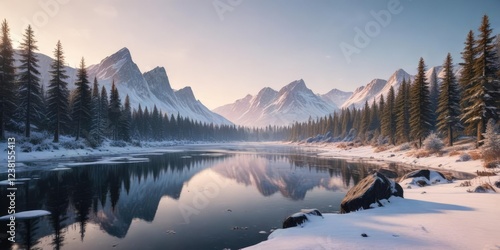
x=147 y=89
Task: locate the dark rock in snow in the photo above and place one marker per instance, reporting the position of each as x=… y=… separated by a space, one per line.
x=497 y=184
x=369 y=190
x=299 y=218
x=424 y=177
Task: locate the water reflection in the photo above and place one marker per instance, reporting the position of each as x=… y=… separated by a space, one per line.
x=114 y=196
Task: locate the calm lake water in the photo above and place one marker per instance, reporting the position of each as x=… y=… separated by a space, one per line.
x=200 y=197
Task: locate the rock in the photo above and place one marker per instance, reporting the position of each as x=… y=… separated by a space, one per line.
x=497 y=184
x=369 y=190
x=299 y=218
x=364 y=235
x=423 y=177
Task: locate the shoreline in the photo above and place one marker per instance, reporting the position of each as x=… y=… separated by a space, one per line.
x=441 y=216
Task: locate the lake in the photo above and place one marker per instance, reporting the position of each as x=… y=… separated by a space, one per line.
x=191 y=197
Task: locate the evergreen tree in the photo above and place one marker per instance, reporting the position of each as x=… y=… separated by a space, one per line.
x=114 y=112
x=374 y=117
x=7 y=80
x=97 y=125
x=466 y=75
x=126 y=119
x=58 y=94
x=420 y=109
x=449 y=102
x=403 y=113
x=81 y=105
x=389 y=117
x=484 y=91
x=434 y=96
x=365 y=120
x=29 y=83
x=104 y=104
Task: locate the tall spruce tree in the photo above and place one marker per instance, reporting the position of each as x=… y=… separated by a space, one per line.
x=389 y=117
x=97 y=126
x=104 y=104
x=449 y=102
x=365 y=121
x=484 y=91
x=58 y=95
x=7 y=80
x=466 y=76
x=403 y=113
x=434 y=97
x=420 y=105
x=126 y=120
x=114 y=112
x=81 y=104
x=29 y=83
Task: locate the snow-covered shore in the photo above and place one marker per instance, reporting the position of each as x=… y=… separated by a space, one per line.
x=444 y=216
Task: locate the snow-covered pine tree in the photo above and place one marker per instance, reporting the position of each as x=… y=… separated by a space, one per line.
x=491 y=142
x=29 y=83
x=484 y=91
x=466 y=75
x=81 y=105
x=389 y=117
x=114 y=112
x=449 y=102
x=420 y=105
x=7 y=80
x=58 y=95
x=403 y=113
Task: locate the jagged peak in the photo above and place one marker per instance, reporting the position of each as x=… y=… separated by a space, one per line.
x=186 y=92
x=297 y=85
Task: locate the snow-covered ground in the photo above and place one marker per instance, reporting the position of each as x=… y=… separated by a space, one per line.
x=443 y=216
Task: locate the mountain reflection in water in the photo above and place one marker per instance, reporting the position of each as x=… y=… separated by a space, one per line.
x=112 y=198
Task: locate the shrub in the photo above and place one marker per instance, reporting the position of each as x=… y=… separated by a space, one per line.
x=433 y=143
x=465 y=157
x=491 y=146
x=404 y=146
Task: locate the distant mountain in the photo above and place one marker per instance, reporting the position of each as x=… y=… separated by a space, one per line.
x=336 y=97
x=148 y=89
x=294 y=102
x=376 y=88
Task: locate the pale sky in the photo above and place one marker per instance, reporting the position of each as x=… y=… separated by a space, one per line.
x=226 y=49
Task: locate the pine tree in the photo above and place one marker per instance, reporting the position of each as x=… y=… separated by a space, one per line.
x=389 y=117
x=29 y=82
x=484 y=91
x=466 y=75
x=403 y=113
x=420 y=112
x=7 y=80
x=125 y=120
x=104 y=104
x=114 y=112
x=434 y=96
x=449 y=102
x=365 y=120
x=96 y=127
x=58 y=94
x=81 y=105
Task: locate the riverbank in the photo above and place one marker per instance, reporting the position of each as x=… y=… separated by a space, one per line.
x=444 y=216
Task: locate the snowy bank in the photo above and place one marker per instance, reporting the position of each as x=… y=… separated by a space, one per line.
x=440 y=216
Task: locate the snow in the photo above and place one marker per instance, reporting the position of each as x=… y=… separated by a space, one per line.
x=26 y=214
x=441 y=216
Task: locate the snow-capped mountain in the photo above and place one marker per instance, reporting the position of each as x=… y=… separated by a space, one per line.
x=294 y=102
x=336 y=96
x=148 y=89
x=376 y=88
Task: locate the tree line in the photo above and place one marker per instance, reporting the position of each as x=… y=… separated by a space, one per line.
x=88 y=112
x=422 y=106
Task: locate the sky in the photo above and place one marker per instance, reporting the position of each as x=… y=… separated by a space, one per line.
x=226 y=49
